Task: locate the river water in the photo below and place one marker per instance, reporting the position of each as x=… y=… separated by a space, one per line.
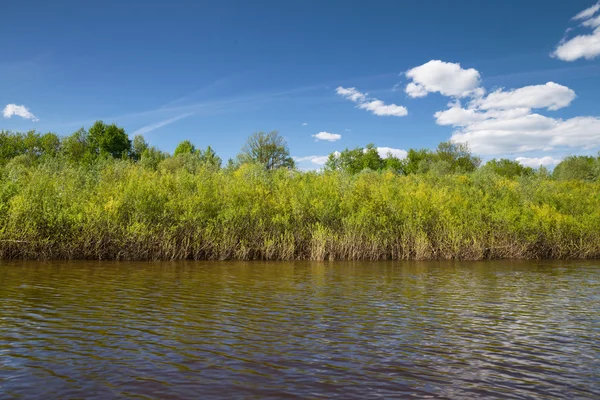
x=497 y=329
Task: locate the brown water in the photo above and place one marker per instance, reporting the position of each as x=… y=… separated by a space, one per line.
x=289 y=330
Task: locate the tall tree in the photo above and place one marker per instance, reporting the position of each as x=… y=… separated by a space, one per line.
x=139 y=146
x=269 y=149
x=109 y=139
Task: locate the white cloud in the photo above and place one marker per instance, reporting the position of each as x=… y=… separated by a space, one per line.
x=502 y=121
x=375 y=106
x=318 y=160
x=19 y=111
x=588 y=12
x=304 y=124
x=160 y=124
x=385 y=151
x=414 y=90
x=330 y=137
x=378 y=107
x=535 y=162
x=581 y=46
x=506 y=134
x=551 y=96
x=449 y=79
x=351 y=94
x=592 y=23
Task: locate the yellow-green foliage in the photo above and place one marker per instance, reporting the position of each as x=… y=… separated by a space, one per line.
x=117 y=209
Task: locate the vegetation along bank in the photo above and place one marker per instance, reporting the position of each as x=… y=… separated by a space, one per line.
x=98 y=195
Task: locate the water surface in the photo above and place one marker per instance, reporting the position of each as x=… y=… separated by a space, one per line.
x=311 y=330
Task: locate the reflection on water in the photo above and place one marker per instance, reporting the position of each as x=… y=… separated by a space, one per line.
x=257 y=330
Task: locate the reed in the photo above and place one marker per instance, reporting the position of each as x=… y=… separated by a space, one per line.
x=122 y=210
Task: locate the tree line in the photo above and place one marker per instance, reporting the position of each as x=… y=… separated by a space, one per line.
x=270 y=150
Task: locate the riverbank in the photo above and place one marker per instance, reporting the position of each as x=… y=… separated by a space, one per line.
x=124 y=211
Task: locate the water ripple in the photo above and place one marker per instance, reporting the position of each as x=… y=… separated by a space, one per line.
x=310 y=330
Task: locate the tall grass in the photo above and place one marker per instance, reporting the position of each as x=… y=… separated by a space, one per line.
x=122 y=210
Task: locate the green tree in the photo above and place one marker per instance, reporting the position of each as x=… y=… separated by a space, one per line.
x=508 y=168
x=185 y=147
x=11 y=145
x=152 y=157
x=109 y=139
x=458 y=156
x=417 y=160
x=49 y=144
x=138 y=147
x=269 y=149
x=209 y=157
x=76 y=147
x=577 y=167
x=355 y=160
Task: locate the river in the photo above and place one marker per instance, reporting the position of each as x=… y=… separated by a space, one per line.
x=501 y=329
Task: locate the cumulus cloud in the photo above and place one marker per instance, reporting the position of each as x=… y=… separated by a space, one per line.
x=378 y=107
x=304 y=124
x=447 y=78
x=375 y=106
x=330 y=137
x=551 y=96
x=503 y=121
x=384 y=152
x=535 y=162
x=506 y=133
x=19 y=111
x=582 y=46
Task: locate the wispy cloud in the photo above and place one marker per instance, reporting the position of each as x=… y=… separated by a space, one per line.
x=149 y=128
x=588 y=12
x=19 y=111
x=375 y=106
x=317 y=160
x=304 y=124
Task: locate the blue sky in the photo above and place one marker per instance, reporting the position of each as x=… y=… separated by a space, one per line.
x=516 y=79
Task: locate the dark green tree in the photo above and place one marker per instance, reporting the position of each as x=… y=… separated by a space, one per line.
x=109 y=139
